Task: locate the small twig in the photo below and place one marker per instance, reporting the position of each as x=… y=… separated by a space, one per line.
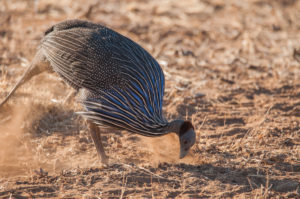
x=152 y=193
x=5 y=119
x=249 y=181
x=204 y=120
x=202 y=123
x=266 y=114
x=267 y=188
x=123 y=186
x=146 y=170
x=258 y=176
x=186 y=187
x=149 y=172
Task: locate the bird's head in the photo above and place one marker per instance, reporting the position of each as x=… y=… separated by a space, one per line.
x=187 y=138
x=187 y=135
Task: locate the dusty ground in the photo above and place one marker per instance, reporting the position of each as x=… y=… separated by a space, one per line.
x=232 y=68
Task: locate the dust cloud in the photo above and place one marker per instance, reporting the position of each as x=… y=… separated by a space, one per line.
x=164 y=149
x=15 y=152
x=24 y=152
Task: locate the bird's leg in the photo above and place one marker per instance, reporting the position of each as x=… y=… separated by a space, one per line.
x=96 y=136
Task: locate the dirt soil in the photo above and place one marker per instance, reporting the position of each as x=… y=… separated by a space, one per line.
x=232 y=67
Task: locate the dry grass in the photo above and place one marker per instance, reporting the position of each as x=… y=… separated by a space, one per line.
x=232 y=67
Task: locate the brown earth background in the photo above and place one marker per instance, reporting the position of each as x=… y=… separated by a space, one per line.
x=232 y=67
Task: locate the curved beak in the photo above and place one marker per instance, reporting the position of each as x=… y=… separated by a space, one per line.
x=187 y=140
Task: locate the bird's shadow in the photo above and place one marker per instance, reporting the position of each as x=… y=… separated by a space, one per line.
x=247 y=179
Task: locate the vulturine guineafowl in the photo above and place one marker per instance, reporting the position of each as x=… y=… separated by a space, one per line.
x=121 y=84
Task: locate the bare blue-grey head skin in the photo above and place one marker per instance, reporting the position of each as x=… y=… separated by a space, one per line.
x=187 y=140
x=186 y=134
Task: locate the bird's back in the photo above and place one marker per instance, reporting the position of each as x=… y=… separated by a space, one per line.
x=81 y=53
x=124 y=78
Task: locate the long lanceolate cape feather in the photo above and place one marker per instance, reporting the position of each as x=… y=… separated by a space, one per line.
x=138 y=107
x=135 y=106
